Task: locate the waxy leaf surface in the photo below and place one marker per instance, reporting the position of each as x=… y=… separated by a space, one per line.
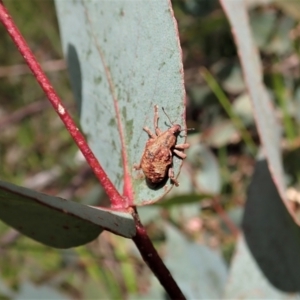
x=246 y=281
x=58 y=222
x=124 y=57
x=267 y=124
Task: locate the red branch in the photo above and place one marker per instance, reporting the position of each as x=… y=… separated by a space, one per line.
x=154 y=262
x=117 y=200
x=141 y=238
x=224 y=216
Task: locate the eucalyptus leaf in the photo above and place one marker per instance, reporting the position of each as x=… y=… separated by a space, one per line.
x=270 y=231
x=58 y=222
x=268 y=126
x=246 y=281
x=30 y=291
x=184 y=199
x=124 y=57
x=200 y=272
x=206 y=169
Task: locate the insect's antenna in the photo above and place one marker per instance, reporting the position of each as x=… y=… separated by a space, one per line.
x=187 y=129
x=167 y=116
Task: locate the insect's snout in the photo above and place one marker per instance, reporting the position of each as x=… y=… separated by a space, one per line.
x=176 y=128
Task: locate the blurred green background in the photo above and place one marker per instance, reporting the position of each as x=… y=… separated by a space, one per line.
x=37 y=152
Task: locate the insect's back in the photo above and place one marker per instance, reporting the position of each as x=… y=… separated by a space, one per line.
x=157 y=158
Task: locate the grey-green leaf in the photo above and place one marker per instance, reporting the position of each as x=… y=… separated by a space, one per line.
x=267 y=124
x=246 y=281
x=58 y=222
x=124 y=57
x=270 y=231
x=200 y=272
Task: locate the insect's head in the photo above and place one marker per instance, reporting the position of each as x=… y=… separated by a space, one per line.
x=175 y=129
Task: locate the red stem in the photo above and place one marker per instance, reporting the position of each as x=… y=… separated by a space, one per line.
x=141 y=238
x=154 y=262
x=224 y=216
x=117 y=201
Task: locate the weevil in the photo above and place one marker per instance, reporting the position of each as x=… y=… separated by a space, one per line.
x=157 y=159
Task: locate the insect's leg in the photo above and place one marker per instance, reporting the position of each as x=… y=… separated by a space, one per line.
x=149 y=132
x=180 y=154
x=182 y=146
x=137 y=166
x=156 y=117
x=172 y=177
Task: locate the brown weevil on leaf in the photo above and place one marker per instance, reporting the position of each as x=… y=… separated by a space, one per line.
x=157 y=158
